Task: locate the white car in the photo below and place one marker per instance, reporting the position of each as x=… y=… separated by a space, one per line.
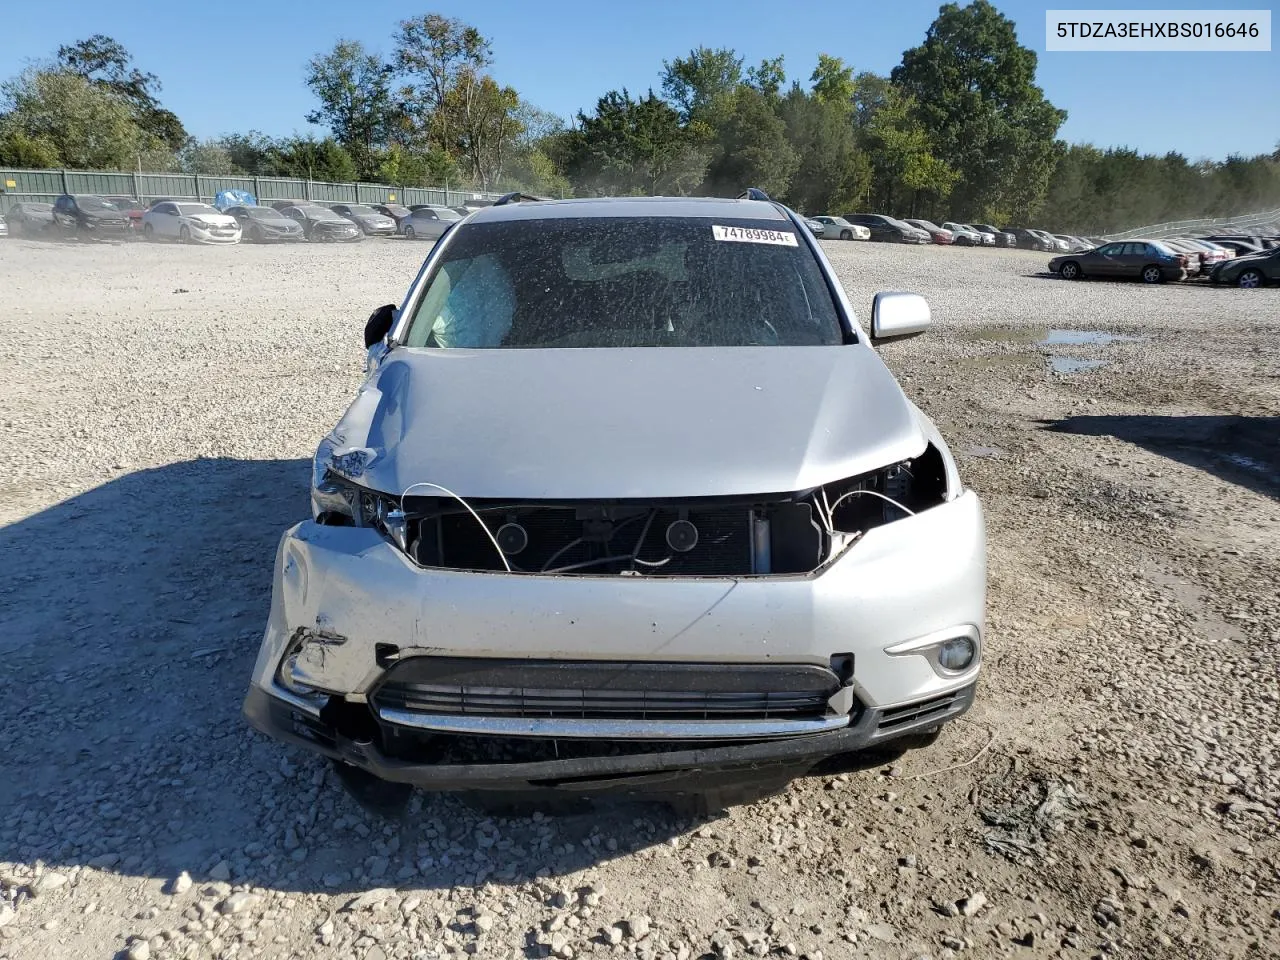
x=965 y=236
x=838 y=228
x=190 y=222
x=516 y=577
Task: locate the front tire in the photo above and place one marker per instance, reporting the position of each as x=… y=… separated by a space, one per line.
x=846 y=235
x=1250 y=279
x=184 y=234
x=1152 y=274
x=409 y=233
x=148 y=231
x=1070 y=270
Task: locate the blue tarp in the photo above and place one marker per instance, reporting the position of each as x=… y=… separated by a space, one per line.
x=234 y=198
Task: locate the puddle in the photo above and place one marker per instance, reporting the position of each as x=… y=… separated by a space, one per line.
x=1084 y=338
x=1073 y=364
x=1248 y=463
x=1006 y=334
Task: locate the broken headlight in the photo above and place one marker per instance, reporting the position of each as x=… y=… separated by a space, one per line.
x=339 y=502
x=901 y=490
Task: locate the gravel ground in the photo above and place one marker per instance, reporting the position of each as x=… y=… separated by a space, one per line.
x=1114 y=792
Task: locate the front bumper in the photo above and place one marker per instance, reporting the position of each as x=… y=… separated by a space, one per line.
x=685 y=768
x=347 y=605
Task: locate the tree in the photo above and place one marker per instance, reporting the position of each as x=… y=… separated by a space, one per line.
x=769 y=77
x=433 y=54
x=753 y=148
x=209 y=158
x=354 y=90
x=696 y=84
x=485 y=124
x=974 y=89
x=832 y=81
x=105 y=63
x=833 y=175
x=58 y=118
x=307 y=158
x=634 y=146
x=906 y=170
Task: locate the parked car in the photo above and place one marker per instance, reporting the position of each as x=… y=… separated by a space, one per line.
x=885 y=229
x=1148 y=260
x=132 y=207
x=838 y=228
x=961 y=235
x=428 y=222
x=936 y=233
x=816 y=227
x=265 y=224
x=1205 y=257
x=189 y=222
x=487 y=482
x=395 y=211
x=1003 y=239
x=1254 y=270
x=30 y=219
x=1073 y=244
x=1031 y=239
x=369 y=220
x=1241 y=245
x=88 y=215
x=285 y=204
x=322 y=224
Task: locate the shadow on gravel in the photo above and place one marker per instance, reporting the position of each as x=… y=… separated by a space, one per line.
x=130 y=617
x=1241 y=450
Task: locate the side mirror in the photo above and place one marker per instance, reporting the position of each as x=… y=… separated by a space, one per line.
x=379 y=324
x=896 y=315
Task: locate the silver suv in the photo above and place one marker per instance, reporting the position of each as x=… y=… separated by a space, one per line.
x=627 y=501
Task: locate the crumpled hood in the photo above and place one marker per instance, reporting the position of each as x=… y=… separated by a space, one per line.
x=620 y=423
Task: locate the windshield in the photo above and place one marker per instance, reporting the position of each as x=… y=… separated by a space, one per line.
x=397 y=210
x=361 y=210
x=197 y=210
x=444 y=213
x=625 y=282
x=94 y=203
x=926 y=224
x=262 y=213
x=38 y=207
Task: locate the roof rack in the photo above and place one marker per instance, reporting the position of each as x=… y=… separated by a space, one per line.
x=516 y=197
x=753 y=193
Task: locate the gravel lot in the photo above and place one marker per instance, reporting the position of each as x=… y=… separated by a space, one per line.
x=1114 y=792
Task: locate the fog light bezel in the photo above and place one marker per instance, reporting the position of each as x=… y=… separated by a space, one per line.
x=970 y=649
x=930 y=646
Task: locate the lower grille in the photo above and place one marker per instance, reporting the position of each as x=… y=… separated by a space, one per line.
x=912 y=712
x=606 y=691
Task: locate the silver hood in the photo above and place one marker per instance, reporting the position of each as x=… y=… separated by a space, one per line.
x=620 y=423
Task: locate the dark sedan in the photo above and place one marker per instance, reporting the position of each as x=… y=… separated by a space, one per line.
x=1243 y=246
x=321 y=223
x=1147 y=260
x=1026 y=239
x=1255 y=270
x=91 y=216
x=885 y=229
x=369 y=220
x=265 y=224
x=1003 y=239
x=30 y=219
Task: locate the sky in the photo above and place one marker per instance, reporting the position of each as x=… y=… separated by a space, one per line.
x=240 y=65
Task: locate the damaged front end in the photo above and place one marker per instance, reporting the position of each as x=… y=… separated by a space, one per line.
x=623 y=645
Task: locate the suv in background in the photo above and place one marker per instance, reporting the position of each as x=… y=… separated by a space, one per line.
x=886 y=229
x=86 y=214
x=495 y=509
x=1003 y=239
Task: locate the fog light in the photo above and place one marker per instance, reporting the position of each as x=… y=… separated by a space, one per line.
x=956 y=654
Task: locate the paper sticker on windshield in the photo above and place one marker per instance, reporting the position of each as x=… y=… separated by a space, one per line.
x=782 y=238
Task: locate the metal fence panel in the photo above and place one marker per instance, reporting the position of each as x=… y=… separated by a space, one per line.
x=18 y=186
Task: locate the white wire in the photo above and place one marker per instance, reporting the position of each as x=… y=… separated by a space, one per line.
x=483 y=526
x=870 y=493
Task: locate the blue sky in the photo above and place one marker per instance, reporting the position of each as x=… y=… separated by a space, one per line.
x=563 y=54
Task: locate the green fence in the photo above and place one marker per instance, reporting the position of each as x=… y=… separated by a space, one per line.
x=19 y=186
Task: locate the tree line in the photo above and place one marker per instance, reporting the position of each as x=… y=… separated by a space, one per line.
x=958 y=130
